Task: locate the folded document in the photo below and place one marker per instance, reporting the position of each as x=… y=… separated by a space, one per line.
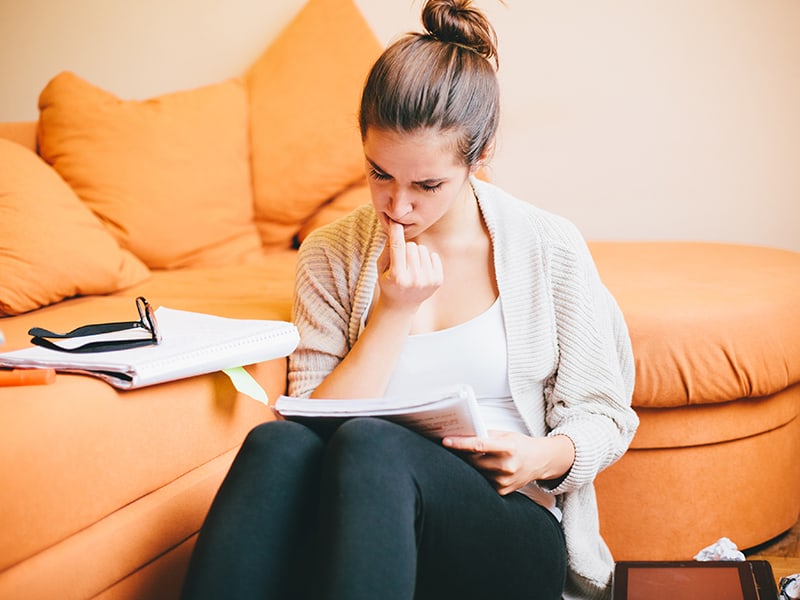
x=192 y=344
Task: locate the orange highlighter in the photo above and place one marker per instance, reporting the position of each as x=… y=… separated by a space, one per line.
x=12 y=377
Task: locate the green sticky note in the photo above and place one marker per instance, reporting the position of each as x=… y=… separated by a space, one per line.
x=245 y=384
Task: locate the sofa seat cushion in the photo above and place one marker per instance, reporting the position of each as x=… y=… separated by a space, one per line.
x=94 y=449
x=262 y=288
x=709 y=322
x=85 y=450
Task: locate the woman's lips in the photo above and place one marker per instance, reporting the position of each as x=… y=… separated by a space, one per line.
x=390 y=220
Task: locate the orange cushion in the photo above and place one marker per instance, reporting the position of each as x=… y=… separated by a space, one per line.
x=346 y=202
x=52 y=246
x=168 y=176
x=708 y=322
x=304 y=92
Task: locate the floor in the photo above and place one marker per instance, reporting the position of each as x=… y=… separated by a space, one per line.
x=783 y=553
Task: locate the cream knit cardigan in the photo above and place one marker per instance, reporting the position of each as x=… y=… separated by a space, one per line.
x=564 y=330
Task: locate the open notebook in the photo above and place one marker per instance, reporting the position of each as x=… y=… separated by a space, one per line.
x=192 y=344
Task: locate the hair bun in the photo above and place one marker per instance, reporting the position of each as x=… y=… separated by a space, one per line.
x=456 y=22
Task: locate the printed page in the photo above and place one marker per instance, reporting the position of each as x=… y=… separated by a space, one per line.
x=452 y=411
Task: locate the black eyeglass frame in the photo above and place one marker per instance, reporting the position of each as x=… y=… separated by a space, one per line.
x=147 y=318
x=147 y=321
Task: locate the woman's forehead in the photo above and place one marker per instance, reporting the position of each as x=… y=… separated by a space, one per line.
x=438 y=148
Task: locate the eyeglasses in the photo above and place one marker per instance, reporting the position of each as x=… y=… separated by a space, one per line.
x=104 y=337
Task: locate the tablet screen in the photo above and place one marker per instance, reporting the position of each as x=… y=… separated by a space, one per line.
x=686 y=584
x=684 y=581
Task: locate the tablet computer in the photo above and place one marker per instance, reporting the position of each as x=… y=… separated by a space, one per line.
x=693 y=580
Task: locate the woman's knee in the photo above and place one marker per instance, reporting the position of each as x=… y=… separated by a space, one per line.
x=369 y=436
x=365 y=451
x=280 y=441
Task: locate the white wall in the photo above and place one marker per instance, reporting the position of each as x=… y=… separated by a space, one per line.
x=637 y=119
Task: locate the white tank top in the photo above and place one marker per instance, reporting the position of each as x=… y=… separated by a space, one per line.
x=473 y=353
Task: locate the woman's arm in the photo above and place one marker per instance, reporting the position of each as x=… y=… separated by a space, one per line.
x=407 y=275
x=589 y=399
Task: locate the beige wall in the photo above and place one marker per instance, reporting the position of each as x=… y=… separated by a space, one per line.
x=637 y=119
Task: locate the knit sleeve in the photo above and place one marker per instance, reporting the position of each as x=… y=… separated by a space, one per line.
x=319 y=312
x=589 y=398
x=332 y=289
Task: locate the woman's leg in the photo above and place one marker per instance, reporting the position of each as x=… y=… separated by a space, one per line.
x=255 y=539
x=405 y=518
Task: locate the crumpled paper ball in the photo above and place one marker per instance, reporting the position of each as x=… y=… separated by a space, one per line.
x=722 y=549
x=790 y=587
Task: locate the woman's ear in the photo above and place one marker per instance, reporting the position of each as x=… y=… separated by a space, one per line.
x=484 y=158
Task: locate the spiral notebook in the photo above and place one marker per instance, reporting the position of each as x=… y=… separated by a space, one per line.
x=192 y=344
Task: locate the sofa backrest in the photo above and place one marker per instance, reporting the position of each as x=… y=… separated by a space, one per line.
x=284 y=134
x=21 y=132
x=205 y=177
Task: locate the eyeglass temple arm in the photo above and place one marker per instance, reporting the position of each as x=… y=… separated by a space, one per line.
x=85 y=330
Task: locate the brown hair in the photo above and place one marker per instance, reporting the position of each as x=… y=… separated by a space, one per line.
x=441 y=79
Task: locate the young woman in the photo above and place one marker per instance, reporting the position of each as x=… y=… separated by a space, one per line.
x=444 y=279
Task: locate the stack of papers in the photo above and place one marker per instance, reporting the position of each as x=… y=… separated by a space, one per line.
x=192 y=344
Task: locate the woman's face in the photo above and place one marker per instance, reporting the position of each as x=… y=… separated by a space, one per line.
x=415 y=178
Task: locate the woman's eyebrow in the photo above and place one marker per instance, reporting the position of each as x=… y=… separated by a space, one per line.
x=375 y=166
x=429 y=181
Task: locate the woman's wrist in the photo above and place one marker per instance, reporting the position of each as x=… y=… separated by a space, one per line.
x=561 y=458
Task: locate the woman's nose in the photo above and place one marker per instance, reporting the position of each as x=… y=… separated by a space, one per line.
x=399 y=204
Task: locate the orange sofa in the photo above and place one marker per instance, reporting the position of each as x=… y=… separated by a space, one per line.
x=197 y=200
x=716 y=338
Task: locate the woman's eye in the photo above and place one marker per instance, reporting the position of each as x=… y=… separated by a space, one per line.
x=431 y=188
x=378 y=175
x=425 y=187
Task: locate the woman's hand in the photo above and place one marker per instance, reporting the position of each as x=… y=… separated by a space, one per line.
x=511 y=460
x=409 y=273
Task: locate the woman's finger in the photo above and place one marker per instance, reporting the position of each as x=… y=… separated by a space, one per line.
x=397 y=247
x=413 y=262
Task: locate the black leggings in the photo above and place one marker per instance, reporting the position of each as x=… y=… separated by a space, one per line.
x=371 y=511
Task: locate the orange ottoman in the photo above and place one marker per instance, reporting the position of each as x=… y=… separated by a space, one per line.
x=716 y=337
